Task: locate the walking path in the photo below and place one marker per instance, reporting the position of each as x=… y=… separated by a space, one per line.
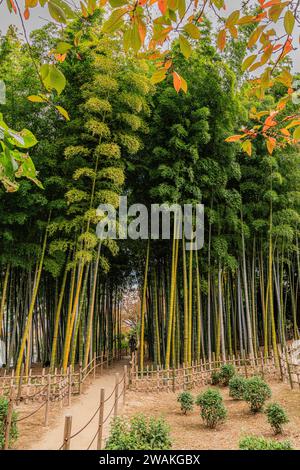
x=81 y=410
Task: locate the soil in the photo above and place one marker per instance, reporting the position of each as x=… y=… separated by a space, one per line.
x=33 y=435
x=189 y=432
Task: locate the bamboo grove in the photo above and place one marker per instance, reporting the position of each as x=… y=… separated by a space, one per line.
x=62 y=289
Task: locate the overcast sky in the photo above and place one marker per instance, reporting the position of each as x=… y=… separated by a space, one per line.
x=39 y=17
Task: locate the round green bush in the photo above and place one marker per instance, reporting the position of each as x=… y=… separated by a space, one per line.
x=237 y=385
x=139 y=433
x=212 y=408
x=186 y=401
x=13 y=429
x=259 y=443
x=276 y=417
x=227 y=371
x=257 y=391
x=215 y=378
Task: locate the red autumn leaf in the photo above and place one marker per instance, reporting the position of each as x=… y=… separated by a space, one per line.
x=287 y=47
x=176 y=81
x=234 y=138
x=221 y=39
x=285 y=132
x=270 y=4
x=260 y=16
x=270 y=122
x=60 y=57
x=168 y=64
x=162 y=5
x=142 y=31
x=13 y=5
x=26 y=14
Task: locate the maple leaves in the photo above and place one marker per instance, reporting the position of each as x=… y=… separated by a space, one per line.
x=149 y=27
x=276 y=132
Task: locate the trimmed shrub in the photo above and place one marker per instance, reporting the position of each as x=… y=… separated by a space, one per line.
x=215 y=378
x=237 y=385
x=227 y=371
x=276 y=417
x=257 y=391
x=186 y=401
x=212 y=409
x=139 y=433
x=13 y=429
x=259 y=443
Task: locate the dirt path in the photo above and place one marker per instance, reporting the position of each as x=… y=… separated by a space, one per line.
x=81 y=410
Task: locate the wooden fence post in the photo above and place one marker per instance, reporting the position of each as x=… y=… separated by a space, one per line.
x=70 y=386
x=173 y=381
x=95 y=364
x=28 y=386
x=8 y=419
x=116 y=395
x=80 y=379
x=20 y=385
x=280 y=362
x=47 y=399
x=262 y=365
x=289 y=369
x=100 y=424
x=67 y=432
x=101 y=363
x=245 y=364
x=124 y=384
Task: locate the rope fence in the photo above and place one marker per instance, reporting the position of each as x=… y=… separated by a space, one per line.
x=33 y=386
x=117 y=393
x=47 y=388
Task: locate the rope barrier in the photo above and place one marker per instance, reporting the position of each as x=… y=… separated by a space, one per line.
x=62 y=389
x=92 y=441
x=31 y=414
x=104 y=421
x=122 y=380
x=86 y=425
x=108 y=398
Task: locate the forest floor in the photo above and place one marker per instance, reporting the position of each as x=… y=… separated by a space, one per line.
x=189 y=432
x=33 y=435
